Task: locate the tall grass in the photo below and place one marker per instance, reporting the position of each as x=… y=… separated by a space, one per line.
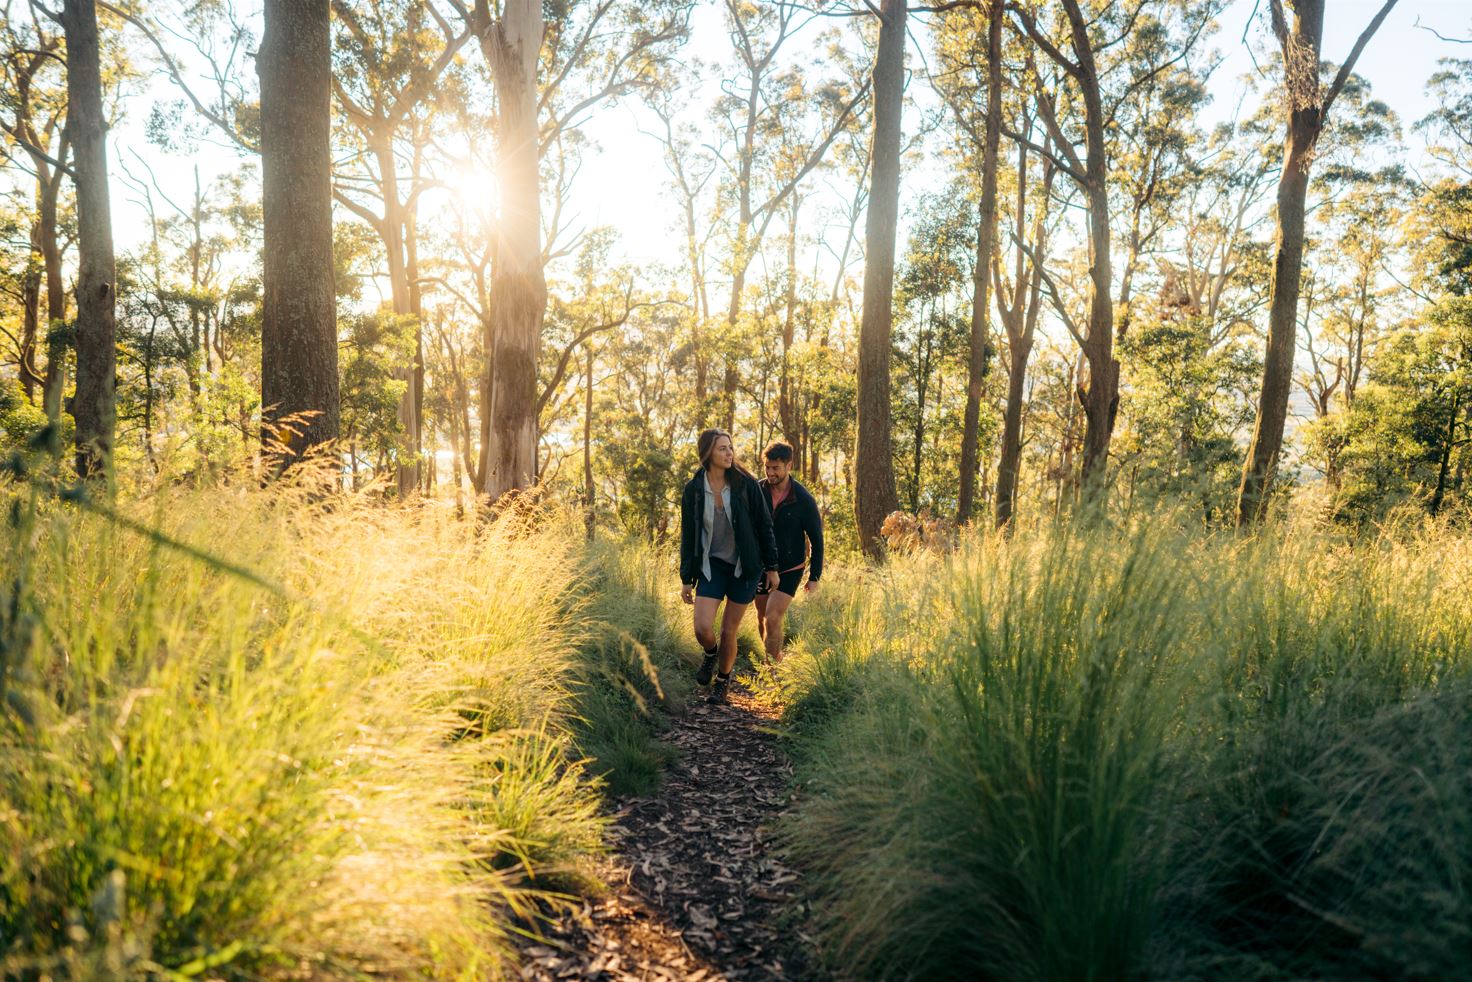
x=370 y=766
x=638 y=665
x=1090 y=753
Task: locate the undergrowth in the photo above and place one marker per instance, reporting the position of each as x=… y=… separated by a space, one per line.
x=249 y=732
x=1092 y=752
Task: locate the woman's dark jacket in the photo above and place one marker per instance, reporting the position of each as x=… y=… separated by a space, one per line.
x=751 y=521
x=795 y=518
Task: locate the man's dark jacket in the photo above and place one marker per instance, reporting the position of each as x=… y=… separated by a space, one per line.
x=751 y=521
x=797 y=516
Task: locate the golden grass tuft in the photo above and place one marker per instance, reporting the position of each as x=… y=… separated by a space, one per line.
x=363 y=765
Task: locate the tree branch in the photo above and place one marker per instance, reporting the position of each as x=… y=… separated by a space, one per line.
x=357 y=209
x=565 y=358
x=1053 y=294
x=816 y=156
x=1074 y=172
x=37 y=152
x=178 y=76
x=1030 y=26
x=1354 y=54
x=1440 y=36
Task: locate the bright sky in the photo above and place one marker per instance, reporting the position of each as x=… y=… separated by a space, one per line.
x=622 y=184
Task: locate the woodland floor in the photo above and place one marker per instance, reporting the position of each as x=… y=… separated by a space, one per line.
x=696 y=891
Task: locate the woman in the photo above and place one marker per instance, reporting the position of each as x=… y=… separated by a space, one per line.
x=726 y=550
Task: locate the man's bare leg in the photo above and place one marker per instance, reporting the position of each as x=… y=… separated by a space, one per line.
x=776 y=608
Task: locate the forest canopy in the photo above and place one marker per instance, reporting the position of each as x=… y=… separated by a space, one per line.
x=1010 y=258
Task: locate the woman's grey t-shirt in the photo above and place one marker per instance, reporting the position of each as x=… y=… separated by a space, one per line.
x=722 y=536
x=716 y=526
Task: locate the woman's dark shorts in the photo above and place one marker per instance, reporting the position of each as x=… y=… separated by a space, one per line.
x=787 y=584
x=725 y=585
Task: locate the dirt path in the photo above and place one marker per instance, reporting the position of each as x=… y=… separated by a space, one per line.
x=695 y=890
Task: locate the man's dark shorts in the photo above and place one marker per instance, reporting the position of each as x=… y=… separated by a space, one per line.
x=725 y=585
x=788 y=583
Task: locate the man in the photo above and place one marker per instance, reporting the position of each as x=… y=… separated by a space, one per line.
x=797 y=524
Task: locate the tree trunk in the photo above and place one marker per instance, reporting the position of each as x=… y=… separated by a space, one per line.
x=94 y=408
x=786 y=396
x=518 y=297
x=396 y=226
x=49 y=175
x=299 y=382
x=410 y=476
x=986 y=236
x=1100 y=400
x=455 y=448
x=874 y=490
x=30 y=378
x=1021 y=318
x=1446 y=452
x=589 y=501
x=731 y=380
x=1010 y=461
x=1308 y=106
x=1305 y=121
x=922 y=388
x=56 y=343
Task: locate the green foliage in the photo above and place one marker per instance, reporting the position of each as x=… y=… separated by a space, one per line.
x=644 y=470
x=19 y=419
x=931 y=346
x=1407 y=437
x=1183 y=410
x=374 y=347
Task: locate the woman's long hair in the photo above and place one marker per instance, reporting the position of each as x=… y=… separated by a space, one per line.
x=705 y=444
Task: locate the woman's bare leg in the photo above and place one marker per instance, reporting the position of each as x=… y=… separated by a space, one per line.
x=730 y=626
x=705 y=621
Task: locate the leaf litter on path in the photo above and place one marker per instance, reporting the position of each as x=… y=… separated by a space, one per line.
x=696 y=892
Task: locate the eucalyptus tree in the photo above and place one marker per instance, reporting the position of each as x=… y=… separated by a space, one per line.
x=1215 y=263
x=393 y=63
x=969 y=48
x=1190 y=350
x=874 y=485
x=187 y=311
x=776 y=127
x=94 y=406
x=1106 y=54
x=299 y=377
x=1443 y=218
x=547 y=75
x=1350 y=301
x=1307 y=103
x=931 y=341
x=691 y=169
x=33 y=98
x=1019 y=300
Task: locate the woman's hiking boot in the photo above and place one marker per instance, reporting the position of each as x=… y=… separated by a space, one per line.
x=707 y=669
x=719 y=691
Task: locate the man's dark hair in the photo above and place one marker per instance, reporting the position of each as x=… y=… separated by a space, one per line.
x=777 y=450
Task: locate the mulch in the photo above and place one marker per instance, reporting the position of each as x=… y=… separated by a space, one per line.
x=695 y=890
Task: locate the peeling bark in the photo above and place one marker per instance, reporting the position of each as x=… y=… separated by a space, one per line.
x=518 y=295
